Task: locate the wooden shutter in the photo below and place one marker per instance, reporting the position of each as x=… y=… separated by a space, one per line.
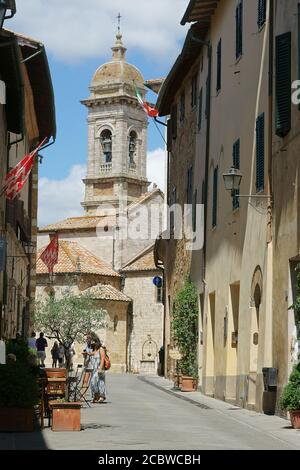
x=219 y=64
x=236 y=164
x=174 y=121
x=262 y=10
x=239 y=30
x=200 y=105
x=189 y=186
x=215 y=197
x=260 y=153
x=194 y=216
x=283 y=84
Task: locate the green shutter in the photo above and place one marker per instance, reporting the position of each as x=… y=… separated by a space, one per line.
x=283 y=84
x=260 y=153
x=219 y=65
x=262 y=11
x=189 y=186
x=207 y=98
x=239 y=30
x=194 y=216
x=236 y=164
x=200 y=105
x=215 y=197
x=299 y=45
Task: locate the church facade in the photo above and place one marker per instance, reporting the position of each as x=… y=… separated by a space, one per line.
x=109 y=250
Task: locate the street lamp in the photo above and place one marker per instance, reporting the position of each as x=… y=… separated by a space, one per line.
x=29 y=248
x=4 y=6
x=232 y=181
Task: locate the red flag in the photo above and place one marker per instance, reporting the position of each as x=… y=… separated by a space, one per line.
x=50 y=254
x=17 y=177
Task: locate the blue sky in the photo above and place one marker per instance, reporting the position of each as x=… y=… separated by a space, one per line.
x=76 y=45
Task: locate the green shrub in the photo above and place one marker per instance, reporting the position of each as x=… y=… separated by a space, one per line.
x=18 y=387
x=185 y=328
x=19 y=348
x=290 y=398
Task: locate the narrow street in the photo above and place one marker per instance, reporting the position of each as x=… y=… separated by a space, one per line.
x=141 y=416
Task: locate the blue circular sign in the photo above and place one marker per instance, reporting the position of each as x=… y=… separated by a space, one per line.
x=157 y=281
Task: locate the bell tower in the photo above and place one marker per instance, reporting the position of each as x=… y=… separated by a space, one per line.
x=117 y=135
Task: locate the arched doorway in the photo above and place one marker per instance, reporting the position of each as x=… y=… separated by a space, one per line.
x=255 y=305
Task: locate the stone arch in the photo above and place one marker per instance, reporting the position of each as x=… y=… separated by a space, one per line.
x=103 y=127
x=256 y=288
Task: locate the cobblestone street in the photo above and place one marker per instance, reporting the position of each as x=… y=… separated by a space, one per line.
x=141 y=416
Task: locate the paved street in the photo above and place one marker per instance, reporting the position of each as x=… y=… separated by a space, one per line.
x=141 y=416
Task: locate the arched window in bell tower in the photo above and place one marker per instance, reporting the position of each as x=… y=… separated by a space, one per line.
x=106 y=142
x=132 y=149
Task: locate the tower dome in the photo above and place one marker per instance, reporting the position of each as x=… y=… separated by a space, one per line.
x=117 y=72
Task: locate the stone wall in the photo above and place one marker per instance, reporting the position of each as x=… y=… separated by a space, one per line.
x=146 y=319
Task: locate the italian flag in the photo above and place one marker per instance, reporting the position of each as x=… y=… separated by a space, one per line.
x=152 y=112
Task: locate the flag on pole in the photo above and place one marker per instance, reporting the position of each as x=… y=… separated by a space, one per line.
x=152 y=112
x=17 y=177
x=50 y=254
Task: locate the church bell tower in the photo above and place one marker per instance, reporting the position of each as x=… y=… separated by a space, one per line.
x=117 y=135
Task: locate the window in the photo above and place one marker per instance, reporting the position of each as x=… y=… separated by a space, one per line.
x=106 y=142
x=132 y=149
x=260 y=153
x=207 y=103
x=236 y=164
x=174 y=121
x=262 y=11
x=200 y=105
x=215 y=197
x=172 y=214
x=194 y=214
x=189 y=186
x=219 y=65
x=182 y=108
x=159 y=294
x=194 y=91
x=283 y=84
x=239 y=30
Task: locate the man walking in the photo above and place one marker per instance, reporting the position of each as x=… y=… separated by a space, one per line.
x=41 y=344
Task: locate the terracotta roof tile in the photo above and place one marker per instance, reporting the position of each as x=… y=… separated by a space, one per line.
x=73 y=258
x=107 y=292
x=79 y=223
x=143 y=262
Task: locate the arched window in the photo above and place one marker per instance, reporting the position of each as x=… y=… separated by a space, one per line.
x=106 y=142
x=132 y=148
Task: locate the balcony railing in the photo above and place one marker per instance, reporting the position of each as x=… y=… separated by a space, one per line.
x=106 y=168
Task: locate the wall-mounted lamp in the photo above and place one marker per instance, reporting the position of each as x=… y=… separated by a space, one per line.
x=232 y=181
x=29 y=248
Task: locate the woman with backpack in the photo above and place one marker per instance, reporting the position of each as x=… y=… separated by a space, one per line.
x=97 y=362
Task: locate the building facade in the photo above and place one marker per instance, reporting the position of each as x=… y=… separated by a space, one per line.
x=227 y=102
x=122 y=217
x=27 y=117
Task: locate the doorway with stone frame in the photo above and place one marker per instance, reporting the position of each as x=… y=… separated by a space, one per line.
x=255 y=305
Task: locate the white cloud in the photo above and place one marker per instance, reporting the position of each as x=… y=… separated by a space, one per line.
x=156 y=164
x=74 y=30
x=60 y=199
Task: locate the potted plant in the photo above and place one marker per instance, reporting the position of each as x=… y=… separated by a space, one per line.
x=185 y=334
x=290 y=398
x=18 y=396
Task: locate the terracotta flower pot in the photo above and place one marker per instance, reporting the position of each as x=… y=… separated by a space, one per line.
x=189 y=384
x=295 y=419
x=65 y=416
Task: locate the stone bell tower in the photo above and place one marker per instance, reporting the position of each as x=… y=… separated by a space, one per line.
x=117 y=135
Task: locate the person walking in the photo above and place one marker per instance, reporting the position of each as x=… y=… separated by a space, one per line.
x=32 y=341
x=61 y=355
x=55 y=354
x=41 y=345
x=98 y=387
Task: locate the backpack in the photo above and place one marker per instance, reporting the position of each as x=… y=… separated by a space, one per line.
x=106 y=361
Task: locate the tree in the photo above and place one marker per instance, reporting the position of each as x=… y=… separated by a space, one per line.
x=68 y=318
x=185 y=327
